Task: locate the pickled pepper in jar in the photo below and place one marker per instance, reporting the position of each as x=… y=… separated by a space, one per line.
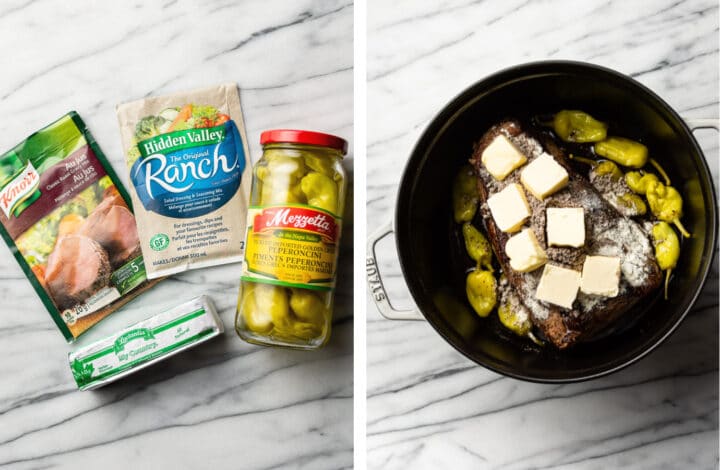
x=292 y=241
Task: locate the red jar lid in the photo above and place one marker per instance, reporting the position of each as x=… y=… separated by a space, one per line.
x=295 y=136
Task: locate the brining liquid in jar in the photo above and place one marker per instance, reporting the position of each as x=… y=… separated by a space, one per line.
x=292 y=241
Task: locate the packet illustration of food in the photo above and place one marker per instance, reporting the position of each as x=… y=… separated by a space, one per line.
x=190 y=171
x=66 y=218
x=145 y=343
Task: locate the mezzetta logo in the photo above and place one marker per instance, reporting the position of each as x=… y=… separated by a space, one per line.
x=295 y=217
x=19 y=190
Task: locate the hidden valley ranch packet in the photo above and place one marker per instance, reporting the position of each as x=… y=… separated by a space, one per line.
x=190 y=172
x=65 y=216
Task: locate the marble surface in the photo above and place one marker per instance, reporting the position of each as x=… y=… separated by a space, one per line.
x=225 y=404
x=429 y=407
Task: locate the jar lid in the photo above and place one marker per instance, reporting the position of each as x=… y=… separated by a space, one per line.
x=295 y=136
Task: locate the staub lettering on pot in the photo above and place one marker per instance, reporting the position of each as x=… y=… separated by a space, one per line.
x=374 y=280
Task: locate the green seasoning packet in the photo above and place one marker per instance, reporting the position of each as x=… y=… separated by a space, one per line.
x=66 y=217
x=145 y=343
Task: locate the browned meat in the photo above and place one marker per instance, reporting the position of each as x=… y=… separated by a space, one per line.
x=607 y=233
x=77 y=268
x=112 y=225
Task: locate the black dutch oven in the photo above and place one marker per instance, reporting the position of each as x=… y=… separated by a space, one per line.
x=424 y=229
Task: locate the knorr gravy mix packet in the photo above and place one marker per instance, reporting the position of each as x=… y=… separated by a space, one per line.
x=66 y=218
x=190 y=171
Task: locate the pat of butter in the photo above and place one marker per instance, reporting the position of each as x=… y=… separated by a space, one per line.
x=558 y=285
x=502 y=157
x=509 y=208
x=525 y=252
x=601 y=276
x=565 y=226
x=145 y=343
x=544 y=176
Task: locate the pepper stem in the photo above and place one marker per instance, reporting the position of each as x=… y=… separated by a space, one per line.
x=535 y=339
x=680 y=227
x=550 y=122
x=667 y=281
x=587 y=161
x=660 y=170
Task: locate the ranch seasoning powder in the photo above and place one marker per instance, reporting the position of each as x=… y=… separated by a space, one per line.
x=190 y=173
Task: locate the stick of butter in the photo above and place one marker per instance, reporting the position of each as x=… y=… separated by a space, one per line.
x=145 y=343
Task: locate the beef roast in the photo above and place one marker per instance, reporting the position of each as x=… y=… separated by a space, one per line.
x=608 y=233
x=112 y=225
x=77 y=268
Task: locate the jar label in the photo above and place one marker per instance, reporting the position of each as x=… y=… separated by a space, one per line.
x=291 y=245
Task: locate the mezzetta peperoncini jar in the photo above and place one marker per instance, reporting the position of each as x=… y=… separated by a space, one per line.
x=292 y=241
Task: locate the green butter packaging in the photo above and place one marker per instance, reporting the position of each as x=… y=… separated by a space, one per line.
x=145 y=343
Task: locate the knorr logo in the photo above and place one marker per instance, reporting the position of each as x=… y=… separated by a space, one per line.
x=21 y=189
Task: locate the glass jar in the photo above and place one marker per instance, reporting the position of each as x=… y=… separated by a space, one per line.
x=292 y=241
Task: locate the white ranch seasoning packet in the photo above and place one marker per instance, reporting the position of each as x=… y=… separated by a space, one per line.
x=145 y=343
x=190 y=174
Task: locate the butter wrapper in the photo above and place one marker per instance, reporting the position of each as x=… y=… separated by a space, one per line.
x=145 y=343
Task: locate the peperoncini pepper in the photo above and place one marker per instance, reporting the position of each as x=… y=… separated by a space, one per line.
x=273 y=300
x=513 y=320
x=282 y=164
x=298 y=330
x=600 y=168
x=257 y=320
x=465 y=195
x=666 y=204
x=320 y=190
x=477 y=246
x=632 y=205
x=307 y=306
x=321 y=165
x=638 y=181
x=623 y=151
x=667 y=249
x=279 y=181
x=577 y=126
x=606 y=167
x=480 y=288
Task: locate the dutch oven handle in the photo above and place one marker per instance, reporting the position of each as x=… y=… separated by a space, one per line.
x=700 y=123
x=375 y=283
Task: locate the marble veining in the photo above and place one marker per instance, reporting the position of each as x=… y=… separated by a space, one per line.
x=225 y=404
x=428 y=406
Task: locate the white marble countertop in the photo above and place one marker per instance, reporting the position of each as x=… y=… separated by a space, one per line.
x=225 y=404
x=428 y=406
